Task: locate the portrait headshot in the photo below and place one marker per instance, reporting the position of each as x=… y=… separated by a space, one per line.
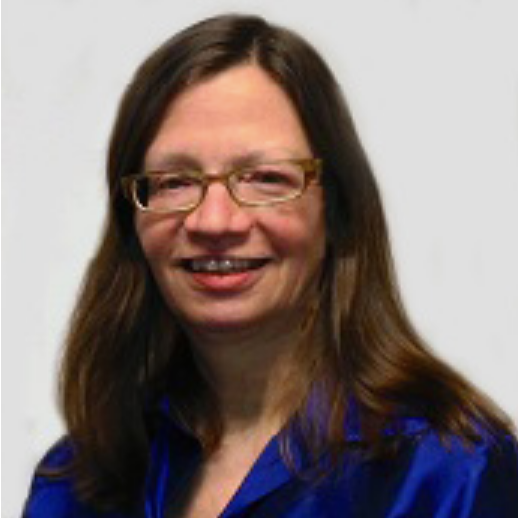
x=277 y=278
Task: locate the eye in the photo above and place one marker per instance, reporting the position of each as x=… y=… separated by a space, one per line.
x=267 y=176
x=161 y=184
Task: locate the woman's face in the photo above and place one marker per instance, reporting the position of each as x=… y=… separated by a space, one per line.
x=239 y=115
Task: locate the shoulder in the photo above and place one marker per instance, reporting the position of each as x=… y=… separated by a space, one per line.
x=51 y=494
x=453 y=477
x=488 y=454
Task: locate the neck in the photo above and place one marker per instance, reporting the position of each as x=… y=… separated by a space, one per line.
x=250 y=373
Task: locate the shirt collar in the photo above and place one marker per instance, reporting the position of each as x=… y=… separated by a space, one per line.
x=402 y=425
x=179 y=453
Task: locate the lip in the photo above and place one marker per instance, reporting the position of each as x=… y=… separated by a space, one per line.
x=233 y=282
x=226 y=283
x=252 y=263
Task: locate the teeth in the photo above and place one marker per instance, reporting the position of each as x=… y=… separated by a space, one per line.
x=222 y=265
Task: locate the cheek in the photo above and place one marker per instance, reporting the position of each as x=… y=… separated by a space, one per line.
x=157 y=236
x=298 y=234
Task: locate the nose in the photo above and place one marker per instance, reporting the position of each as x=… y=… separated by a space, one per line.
x=218 y=217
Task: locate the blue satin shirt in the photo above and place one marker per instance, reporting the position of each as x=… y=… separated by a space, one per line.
x=425 y=480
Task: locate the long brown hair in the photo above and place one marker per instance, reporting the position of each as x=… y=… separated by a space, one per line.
x=124 y=349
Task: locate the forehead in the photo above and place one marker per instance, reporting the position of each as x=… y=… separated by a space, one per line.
x=242 y=111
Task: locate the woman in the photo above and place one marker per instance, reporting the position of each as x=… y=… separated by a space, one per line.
x=239 y=347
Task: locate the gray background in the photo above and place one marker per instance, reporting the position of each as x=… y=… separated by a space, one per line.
x=433 y=86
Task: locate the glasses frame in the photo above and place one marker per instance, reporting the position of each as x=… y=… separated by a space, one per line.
x=311 y=167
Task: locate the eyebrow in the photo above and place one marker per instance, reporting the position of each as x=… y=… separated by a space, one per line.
x=185 y=160
x=172 y=160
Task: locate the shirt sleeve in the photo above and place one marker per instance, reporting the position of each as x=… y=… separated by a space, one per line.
x=51 y=496
x=492 y=490
x=456 y=480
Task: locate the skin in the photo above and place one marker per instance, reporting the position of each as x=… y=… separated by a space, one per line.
x=245 y=329
x=216 y=124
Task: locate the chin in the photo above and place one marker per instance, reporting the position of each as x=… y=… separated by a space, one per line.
x=225 y=324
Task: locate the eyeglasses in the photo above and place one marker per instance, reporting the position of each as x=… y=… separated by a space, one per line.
x=255 y=185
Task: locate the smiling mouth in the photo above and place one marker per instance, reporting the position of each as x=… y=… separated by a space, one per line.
x=221 y=265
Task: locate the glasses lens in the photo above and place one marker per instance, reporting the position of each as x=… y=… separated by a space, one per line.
x=265 y=183
x=167 y=192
